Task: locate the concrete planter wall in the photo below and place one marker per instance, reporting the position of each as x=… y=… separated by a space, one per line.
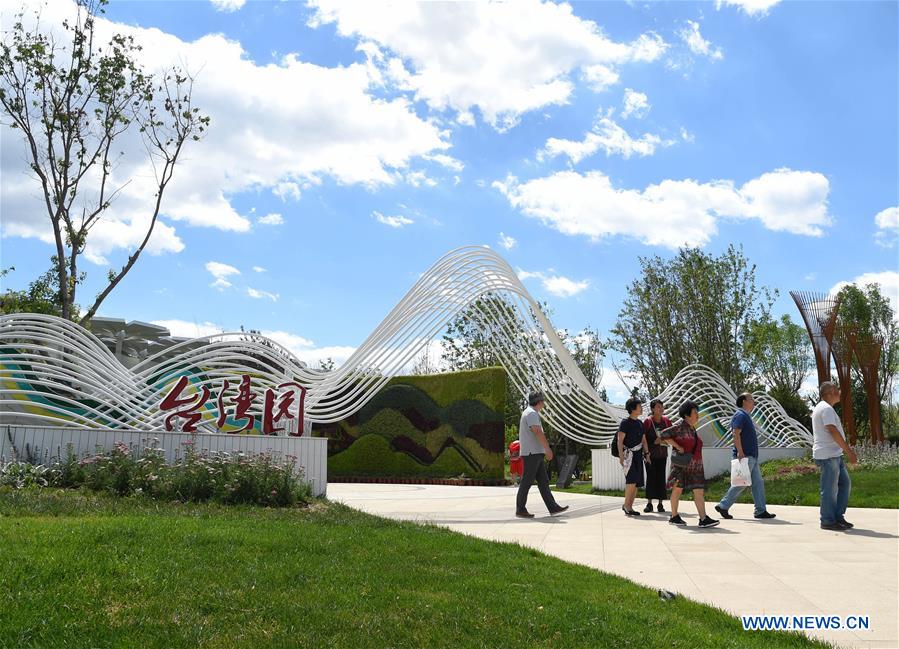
x=41 y=444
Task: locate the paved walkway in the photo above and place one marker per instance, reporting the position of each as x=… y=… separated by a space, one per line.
x=784 y=566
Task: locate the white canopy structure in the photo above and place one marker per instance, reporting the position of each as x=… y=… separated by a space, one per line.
x=54 y=372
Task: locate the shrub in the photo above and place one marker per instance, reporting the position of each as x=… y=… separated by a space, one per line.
x=227 y=478
x=877 y=455
x=20 y=475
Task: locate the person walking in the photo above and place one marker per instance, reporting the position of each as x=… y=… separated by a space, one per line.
x=534 y=450
x=687 y=470
x=746 y=444
x=632 y=451
x=828 y=446
x=658 y=454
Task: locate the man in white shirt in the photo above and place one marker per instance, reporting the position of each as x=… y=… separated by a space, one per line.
x=534 y=450
x=827 y=451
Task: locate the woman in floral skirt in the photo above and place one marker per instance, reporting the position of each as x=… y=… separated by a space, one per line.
x=687 y=472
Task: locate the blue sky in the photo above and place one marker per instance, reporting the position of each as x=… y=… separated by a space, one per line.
x=353 y=144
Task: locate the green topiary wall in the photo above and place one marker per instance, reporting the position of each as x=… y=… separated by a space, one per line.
x=434 y=426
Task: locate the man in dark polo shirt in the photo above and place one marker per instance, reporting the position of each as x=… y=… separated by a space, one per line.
x=534 y=450
x=746 y=444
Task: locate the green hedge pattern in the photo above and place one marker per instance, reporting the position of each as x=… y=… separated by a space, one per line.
x=435 y=426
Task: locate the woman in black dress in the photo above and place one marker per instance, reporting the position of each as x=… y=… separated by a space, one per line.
x=632 y=448
x=658 y=454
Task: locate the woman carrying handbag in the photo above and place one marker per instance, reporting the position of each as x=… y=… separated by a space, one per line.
x=687 y=471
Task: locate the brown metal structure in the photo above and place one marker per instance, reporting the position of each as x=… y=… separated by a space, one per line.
x=868 y=350
x=842 y=350
x=819 y=312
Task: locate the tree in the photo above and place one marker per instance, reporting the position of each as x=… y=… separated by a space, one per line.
x=870 y=311
x=74 y=101
x=779 y=353
x=694 y=308
x=794 y=404
x=326 y=364
x=587 y=351
x=467 y=345
x=41 y=296
x=424 y=364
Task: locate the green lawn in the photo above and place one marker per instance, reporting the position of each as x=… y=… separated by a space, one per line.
x=87 y=570
x=797 y=482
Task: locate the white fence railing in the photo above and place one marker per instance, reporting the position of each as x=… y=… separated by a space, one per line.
x=42 y=443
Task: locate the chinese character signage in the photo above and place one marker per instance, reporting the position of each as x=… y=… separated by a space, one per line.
x=233 y=403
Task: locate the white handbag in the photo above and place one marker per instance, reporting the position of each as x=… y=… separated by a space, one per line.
x=740 y=475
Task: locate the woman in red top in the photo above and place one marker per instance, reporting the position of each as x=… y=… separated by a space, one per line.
x=658 y=454
x=684 y=438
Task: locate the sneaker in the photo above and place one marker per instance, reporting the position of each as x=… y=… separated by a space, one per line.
x=648 y=508
x=835 y=527
x=764 y=514
x=708 y=522
x=524 y=514
x=677 y=520
x=725 y=513
x=846 y=525
x=559 y=509
x=660 y=508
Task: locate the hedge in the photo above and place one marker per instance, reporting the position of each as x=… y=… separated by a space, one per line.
x=442 y=425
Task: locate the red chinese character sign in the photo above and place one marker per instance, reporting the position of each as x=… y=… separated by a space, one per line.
x=232 y=406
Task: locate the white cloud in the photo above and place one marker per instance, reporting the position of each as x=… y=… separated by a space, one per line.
x=608 y=136
x=755 y=8
x=790 y=201
x=564 y=287
x=284 y=189
x=258 y=269
x=635 y=103
x=220 y=272
x=228 y=6
x=506 y=241
x=392 y=221
x=557 y=285
x=305 y=349
x=454 y=56
x=697 y=44
x=185 y=329
x=271 y=219
x=218 y=269
x=449 y=162
x=419 y=178
x=671 y=213
x=259 y=295
x=318 y=122
x=302 y=348
x=889 y=286
x=887 y=222
x=599 y=77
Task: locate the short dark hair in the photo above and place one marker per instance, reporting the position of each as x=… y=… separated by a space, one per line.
x=632 y=403
x=535 y=397
x=742 y=398
x=687 y=408
x=656 y=402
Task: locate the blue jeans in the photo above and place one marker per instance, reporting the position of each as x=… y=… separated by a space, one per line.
x=835 y=487
x=758 y=489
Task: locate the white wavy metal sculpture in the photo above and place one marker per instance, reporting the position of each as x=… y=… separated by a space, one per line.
x=54 y=372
